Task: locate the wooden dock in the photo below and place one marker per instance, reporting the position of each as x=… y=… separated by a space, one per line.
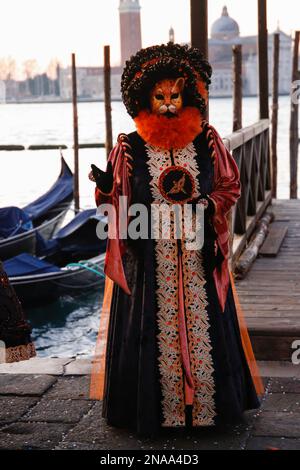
x=270 y=293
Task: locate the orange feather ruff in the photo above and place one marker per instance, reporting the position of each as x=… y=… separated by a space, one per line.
x=169 y=133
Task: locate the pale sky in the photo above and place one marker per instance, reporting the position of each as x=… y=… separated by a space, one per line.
x=44 y=29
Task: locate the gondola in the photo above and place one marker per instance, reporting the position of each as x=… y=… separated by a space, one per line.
x=19 y=227
x=72 y=262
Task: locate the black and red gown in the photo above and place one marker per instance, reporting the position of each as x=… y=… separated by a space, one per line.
x=150 y=382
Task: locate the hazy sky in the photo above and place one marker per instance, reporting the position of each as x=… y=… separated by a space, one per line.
x=43 y=29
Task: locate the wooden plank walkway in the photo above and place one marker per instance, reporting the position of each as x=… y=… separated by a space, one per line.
x=270 y=293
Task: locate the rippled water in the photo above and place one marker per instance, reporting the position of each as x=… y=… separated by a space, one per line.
x=68 y=326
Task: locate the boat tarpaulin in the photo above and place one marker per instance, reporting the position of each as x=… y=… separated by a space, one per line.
x=25 y=264
x=61 y=190
x=13 y=221
x=78 y=221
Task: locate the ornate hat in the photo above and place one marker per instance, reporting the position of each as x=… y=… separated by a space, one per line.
x=155 y=63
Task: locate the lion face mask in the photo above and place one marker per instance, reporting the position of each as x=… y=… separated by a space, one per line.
x=166 y=97
x=168 y=122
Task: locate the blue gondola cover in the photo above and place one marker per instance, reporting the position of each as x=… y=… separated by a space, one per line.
x=78 y=221
x=25 y=264
x=61 y=190
x=13 y=221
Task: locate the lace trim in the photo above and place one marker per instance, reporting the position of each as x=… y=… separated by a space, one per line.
x=20 y=353
x=197 y=323
x=170 y=363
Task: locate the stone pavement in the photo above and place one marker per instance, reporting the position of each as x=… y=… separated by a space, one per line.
x=44 y=404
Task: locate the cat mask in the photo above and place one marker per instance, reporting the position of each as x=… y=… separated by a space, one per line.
x=166 y=97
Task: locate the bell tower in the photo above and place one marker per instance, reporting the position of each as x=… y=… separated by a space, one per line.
x=130 y=28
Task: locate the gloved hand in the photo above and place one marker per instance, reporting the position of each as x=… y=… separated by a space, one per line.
x=104 y=179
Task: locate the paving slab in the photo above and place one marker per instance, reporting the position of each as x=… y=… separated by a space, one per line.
x=42 y=411
x=58 y=411
x=36 y=365
x=278 y=402
x=13 y=408
x=79 y=367
x=272 y=443
x=188 y=442
x=76 y=446
x=27 y=436
x=277 y=424
x=285 y=385
x=20 y=385
x=76 y=388
x=93 y=431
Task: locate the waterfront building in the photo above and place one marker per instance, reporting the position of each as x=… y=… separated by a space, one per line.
x=225 y=33
x=2 y=92
x=90 y=83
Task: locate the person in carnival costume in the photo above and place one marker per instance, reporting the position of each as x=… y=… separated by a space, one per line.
x=173 y=350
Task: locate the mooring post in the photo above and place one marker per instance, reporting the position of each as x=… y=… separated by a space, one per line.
x=107 y=100
x=237 y=118
x=237 y=87
x=294 y=121
x=199 y=28
x=75 y=135
x=263 y=60
x=276 y=49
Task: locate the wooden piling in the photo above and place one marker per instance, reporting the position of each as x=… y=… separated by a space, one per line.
x=75 y=135
x=199 y=25
x=107 y=99
x=199 y=30
x=237 y=87
x=263 y=60
x=276 y=49
x=294 y=123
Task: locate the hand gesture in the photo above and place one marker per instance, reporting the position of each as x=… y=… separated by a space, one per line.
x=104 y=179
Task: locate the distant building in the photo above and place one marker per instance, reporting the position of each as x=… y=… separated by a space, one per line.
x=130 y=28
x=225 y=33
x=38 y=88
x=90 y=83
x=2 y=92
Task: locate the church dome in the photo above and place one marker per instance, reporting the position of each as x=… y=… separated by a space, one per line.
x=225 y=27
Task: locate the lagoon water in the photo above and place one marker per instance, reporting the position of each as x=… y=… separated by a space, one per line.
x=68 y=327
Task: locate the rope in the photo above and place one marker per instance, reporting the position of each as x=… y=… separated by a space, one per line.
x=87 y=267
x=84 y=265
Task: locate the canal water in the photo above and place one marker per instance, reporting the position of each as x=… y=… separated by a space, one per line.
x=69 y=326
